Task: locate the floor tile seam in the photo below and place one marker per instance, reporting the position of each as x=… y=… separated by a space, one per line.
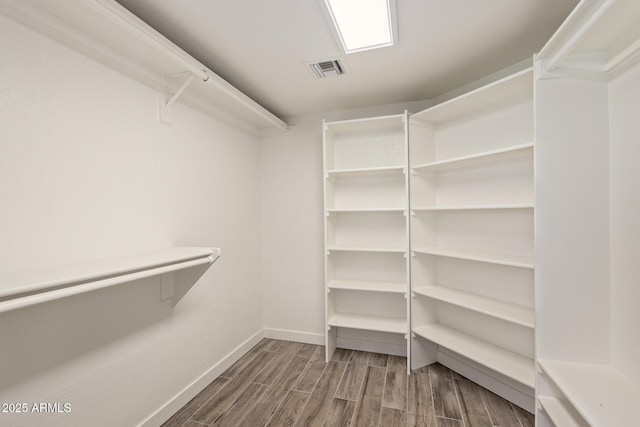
x=248 y=409
x=207 y=401
x=319 y=376
x=486 y=405
x=458 y=394
x=384 y=386
x=287 y=391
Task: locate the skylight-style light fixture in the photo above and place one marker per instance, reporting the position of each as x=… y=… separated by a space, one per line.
x=363 y=24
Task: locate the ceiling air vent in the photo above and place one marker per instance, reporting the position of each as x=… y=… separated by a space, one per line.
x=327 y=68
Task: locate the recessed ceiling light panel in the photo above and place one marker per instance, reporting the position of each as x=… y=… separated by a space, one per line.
x=363 y=24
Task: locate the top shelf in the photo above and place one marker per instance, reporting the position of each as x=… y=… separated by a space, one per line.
x=596 y=37
x=15 y=284
x=516 y=84
x=479 y=159
x=366 y=125
x=109 y=33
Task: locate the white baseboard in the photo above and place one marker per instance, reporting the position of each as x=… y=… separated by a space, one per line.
x=297 y=336
x=516 y=393
x=179 y=400
x=372 y=346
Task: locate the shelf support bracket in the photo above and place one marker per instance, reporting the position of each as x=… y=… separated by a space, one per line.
x=165 y=112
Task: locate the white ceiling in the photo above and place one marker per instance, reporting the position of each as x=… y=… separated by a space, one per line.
x=260 y=46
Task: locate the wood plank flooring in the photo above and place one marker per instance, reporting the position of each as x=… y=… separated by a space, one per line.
x=282 y=383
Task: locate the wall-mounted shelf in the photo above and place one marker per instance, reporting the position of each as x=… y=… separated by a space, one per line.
x=24 y=288
x=369 y=323
x=559 y=412
x=385 y=170
x=479 y=256
x=367 y=210
x=475 y=160
x=367 y=125
x=599 y=393
x=594 y=39
x=365 y=249
x=471 y=207
x=514 y=313
x=520 y=83
x=505 y=362
x=368 y=285
x=109 y=33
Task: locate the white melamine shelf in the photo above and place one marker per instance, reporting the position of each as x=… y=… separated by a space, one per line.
x=368 y=285
x=516 y=84
x=473 y=207
x=479 y=256
x=109 y=33
x=475 y=160
x=599 y=393
x=365 y=249
x=558 y=412
x=22 y=288
x=595 y=38
x=513 y=313
x=505 y=362
x=384 y=170
x=367 y=210
x=369 y=323
x=366 y=125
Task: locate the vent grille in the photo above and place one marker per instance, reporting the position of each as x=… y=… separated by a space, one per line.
x=327 y=68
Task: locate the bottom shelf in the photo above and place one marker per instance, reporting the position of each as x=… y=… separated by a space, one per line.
x=369 y=323
x=561 y=413
x=505 y=362
x=600 y=394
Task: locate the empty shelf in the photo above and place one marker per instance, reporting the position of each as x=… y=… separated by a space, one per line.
x=505 y=362
x=369 y=323
x=109 y=33
x=386 y=170
x=513 y=313
x=21 y=288
x=559 y=412
x=479 y=159
x=365 y=249
x=365 y=125
x=599 y=393
x=479 y=256
x=473 y=207
x=367 y=285
x=367 y=210
x=508 y=87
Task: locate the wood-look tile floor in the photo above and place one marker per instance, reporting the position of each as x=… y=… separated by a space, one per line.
x=282 y=383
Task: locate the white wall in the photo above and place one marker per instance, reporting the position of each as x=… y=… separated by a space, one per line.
x=624 y=152
x=85 y=172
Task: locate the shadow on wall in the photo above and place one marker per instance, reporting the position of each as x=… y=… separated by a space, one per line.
x=40 y=339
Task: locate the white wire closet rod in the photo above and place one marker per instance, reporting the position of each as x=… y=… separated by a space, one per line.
x=31 y=287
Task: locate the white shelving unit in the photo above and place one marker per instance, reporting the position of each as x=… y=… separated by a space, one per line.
x=366 y=234
x=472 y=240
x=587 y=96
x=24 y=288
